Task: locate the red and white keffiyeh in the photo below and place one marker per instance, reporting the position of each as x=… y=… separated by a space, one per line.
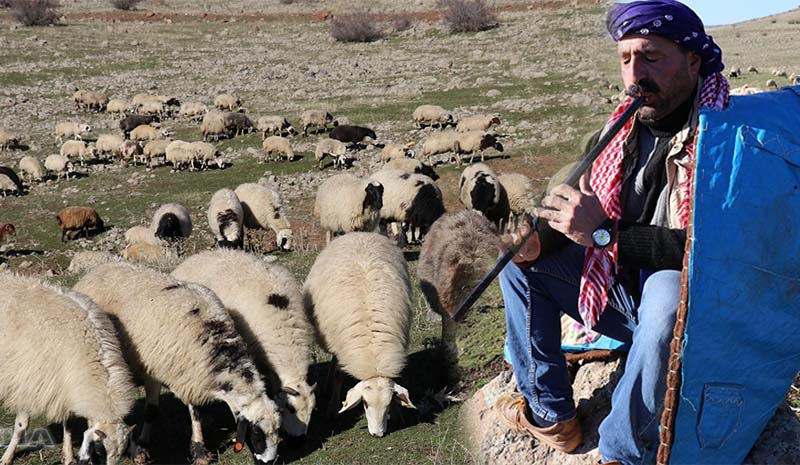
x=600 y=264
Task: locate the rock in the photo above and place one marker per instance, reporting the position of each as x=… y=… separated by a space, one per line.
x=25 y=265
x=493 y=93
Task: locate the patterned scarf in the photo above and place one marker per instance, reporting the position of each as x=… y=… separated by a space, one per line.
x=600 y=265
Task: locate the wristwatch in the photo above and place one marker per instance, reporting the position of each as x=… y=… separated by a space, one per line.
x=603 y=235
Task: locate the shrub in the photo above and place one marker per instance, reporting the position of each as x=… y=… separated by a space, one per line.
x=355 y=28
x=467 y=15
x=125 y=4
x=35 y=12
x=403 y=22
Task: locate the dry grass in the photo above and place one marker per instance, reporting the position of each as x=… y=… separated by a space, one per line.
x=35 y=12
x=355 y=27
x=467 y=15
x=125 y=4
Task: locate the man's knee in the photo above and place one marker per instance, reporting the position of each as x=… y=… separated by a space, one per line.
x=660 y=298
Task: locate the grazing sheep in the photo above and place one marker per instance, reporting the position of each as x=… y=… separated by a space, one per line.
x=413 y=200
x=78 y=149
x=71 y=130
x=752 y=70
x=172 y=221
x=429 y=115
x=396 y=152
x=352 y=134
x=62 y=358
x=318 y=119
x=32 y=167
x=179 y=335
x=477 y=123
x=780 y=73
x=95 y=101
x=358 y=293
x=330 y=148
x=745 y=90
x=263 y=208
x=130 y=150
x=796 y=81
x=193 y=111
x=180 y=153
x=265 y=302
x=772 y=85
x=277 y=145
x=411 y=166
x=109 y=144
x=213 y=126
x=6 y=230
x=480 y=190
x=735 y=73
x=440 y=142
x=345 y=203
x=519 y=189
x=129 y=123
x=86 y=260
x=57 y=165
x=205 y=154
x=147 y=252
x=155 y=149
x=147 y=132
x=227 y=102
x=274 y=125
x=225 y=218
x=8 y=140
x=9 y=181
x=474 y=141
x=118 y=107
x=237 y=124
x=77 y=98
x=80 y=220
x=152 y=107
x=140 y=234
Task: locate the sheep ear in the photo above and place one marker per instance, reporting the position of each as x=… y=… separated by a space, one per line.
x=402 y=394
x=99 y=435
x=290 y=391
x=242 y=426
x=353 y=397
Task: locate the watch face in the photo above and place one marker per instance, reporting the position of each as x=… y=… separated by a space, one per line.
x=601 y=237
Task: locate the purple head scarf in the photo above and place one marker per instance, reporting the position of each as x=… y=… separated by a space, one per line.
x=669 y=19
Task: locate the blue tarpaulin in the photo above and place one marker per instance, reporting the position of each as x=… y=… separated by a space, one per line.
x=741 y=349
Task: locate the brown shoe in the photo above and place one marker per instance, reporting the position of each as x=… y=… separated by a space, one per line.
x=565 y=436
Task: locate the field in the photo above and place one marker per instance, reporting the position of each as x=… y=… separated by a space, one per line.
x=549 y=70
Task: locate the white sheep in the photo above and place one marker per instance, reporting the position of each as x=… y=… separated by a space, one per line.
x=359 y=295
x=110 y=144
x=31 y=167
x=263 y=208
x=477 y=123
x=147 y=132
x=61 y=358
x=345 y=203
x=206 y=154
x=318 y=119
x=71 y=130
x=213 y=126
x=396 y=152
x=78 y=149
x=172 y=221
x=179 y=335
x=481 y=191
x=152 y=107
x=149 y=253
x=59 y=165
x=472 y=142
x=330 y=148
x=275 y=125
x=140 y=234
x=227 y=102
x=519 y=189
x=86 y=260
x=266 y=304
x=118 y=107
x=429 y=115
x=180 y=153
x=8 y=139
x=155 y=149
x=413 y=200
x=225 y=218
x=277 y=145
x=440 y=142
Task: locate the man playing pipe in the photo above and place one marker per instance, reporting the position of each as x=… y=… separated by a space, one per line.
x=615 y=245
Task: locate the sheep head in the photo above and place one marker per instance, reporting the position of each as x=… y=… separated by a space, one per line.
x=284 y=239
x=377 y=395
x=296 y=400
x=257 y=426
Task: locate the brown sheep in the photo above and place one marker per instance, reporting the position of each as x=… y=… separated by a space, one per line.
x=80 y=219
x=7 y=229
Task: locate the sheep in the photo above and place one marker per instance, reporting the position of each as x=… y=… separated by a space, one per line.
x=179 y=153
x=8 y=140
x=745 y=90
x=265 y=302
x=237 y=124
x=213 y=126
x=396 y=152
x=474 y=141
x=345 y=203
x=32 y=167
x=752 y=70
x=411 y=166
x=225 y=218
x=477 y=123
x=130 y=149
x=277 y=145
x=429 y=115
x=263 y=208
x=146 y=132
x=140 y=234
x=413 y=200
x=77 y=98
x=352 y=134
x=155 y=149
x=152 y=107
x=118 y=107
x=109 y=144
x=519 y=189
x=178 y=334
x=227 y=102
x=358 y=294
x=95 y=101
x=330 y=148
x=80 y=220
x=772 y=85
x=86 y=260
x=62 y=358
x=193 y=111
x=6 y=230
x=78 y=149
x=796 y=81
x=206 y=153
x=319 y=119
x=480 y=190
x=9 y=181
x=779 y=73
x=274 y=125
x=440 y=142
x=172 y=221
x=57 y=165
x=129 y=123
x=70 y=129
x=147 y=252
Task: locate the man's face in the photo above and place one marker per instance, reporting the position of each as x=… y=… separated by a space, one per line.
x=670 y=71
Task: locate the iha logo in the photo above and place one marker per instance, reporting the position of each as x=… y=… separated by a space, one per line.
x=37 y=438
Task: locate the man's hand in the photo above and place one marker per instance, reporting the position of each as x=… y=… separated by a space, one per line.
x=513 y=234
x=575 y=213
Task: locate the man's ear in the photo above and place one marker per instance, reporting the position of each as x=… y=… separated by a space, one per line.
x=695 y=62
x=353 y=397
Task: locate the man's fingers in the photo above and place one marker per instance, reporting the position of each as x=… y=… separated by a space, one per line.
x=564 y=191
x=585 y=185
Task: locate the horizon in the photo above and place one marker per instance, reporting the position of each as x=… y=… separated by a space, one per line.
x=725 y=12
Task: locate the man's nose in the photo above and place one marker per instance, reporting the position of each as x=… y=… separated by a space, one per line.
x=639 y=70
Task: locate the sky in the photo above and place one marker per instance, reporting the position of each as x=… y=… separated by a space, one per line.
x=717 y=12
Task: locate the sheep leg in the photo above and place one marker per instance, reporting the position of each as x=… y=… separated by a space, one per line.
x=20 y=425
x=139 y=452
x=336 y=379
x=67 y=454
x=328 y=237
x=200 y=455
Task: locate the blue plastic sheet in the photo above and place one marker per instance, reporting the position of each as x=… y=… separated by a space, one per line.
x=741 y=350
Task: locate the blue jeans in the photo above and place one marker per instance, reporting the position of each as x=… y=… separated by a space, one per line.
x=534 y=299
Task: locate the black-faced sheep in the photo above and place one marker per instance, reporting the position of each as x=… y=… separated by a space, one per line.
x=225 y=218
x=315 y=118
x=410 y=165
x=10 y=182
x=480 y=190
x=263 y=209
x=274 y=125
x=472 y=142
x=71 y=130
x=172 y=221
x=430 y=115
x=279 y=146
x=345 y=203
x=352 y=134
x=78 y=220
x=413 y=200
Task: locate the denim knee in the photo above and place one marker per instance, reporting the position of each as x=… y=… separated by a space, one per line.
x=660 y=299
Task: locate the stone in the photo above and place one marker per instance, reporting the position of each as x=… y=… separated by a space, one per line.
x=493 y=93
